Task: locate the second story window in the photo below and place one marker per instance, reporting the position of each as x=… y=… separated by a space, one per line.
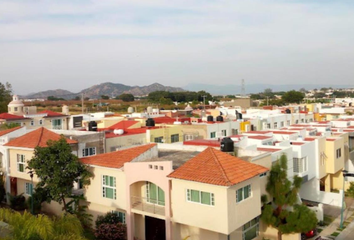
x=243 y=193
x=32 y=122
x=56 y=124
x=21 y=163
x=223 y=133
x=40 y=122
x=154 y=194
x=200 y=197
x=338 y=153
x=108 y=187
x=174 y=138
x=212 y=134
x=300 y=164
x=88 y=151
x=158 y=139
x=275 y=125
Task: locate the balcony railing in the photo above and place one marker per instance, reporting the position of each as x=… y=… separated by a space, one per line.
x=148 y=205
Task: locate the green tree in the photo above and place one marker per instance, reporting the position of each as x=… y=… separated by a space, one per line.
x=9 y=126
x=58 y=169
x=105 y=97
x=5 y=96
x=293 y=97
x=126 y=97
x=284 y=213
x=30 y=227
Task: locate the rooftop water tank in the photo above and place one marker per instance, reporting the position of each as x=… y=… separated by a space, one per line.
x=227 y=145
x=150 y=122
x=149 y=109
x=219 y=119
x=130 y=109
x=92 y=126
x=210 y=118
x=118 y=131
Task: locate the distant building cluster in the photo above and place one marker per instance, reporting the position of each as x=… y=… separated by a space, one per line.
x=191 y=172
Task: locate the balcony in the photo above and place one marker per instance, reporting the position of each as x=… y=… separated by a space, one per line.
x=148 y=205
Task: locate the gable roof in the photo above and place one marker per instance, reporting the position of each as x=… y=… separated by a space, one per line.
x=52 y=114
x=36 y=138
x=118 y=158
x=4 y=132
x=218 y=168
x=8 y=116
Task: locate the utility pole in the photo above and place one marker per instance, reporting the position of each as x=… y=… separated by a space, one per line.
x=82 y=103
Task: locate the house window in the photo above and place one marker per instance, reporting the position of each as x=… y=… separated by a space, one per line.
x=268 y=125
x=212 y=134
x=158 y=140
x=28 y=188
x=32 y=122
x=288 y=122
x=40 y=121
x=109 y=187
x=234 y=131
x=56 y=124
x=174 y=138
x=300 y=164
x=297 y=121
x=251 y=229
x=155 y=194
x=88 y=151
x=200 y=197
x=338 y=152
x=243 y=193
x=121 y=216
x=223 y=133
x=281 y=124
x=275 y=125
x=20 y=162
x=15 y=109
x=302 y=120
x=263 y=174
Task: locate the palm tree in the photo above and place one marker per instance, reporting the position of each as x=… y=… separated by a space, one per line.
x=29 y=227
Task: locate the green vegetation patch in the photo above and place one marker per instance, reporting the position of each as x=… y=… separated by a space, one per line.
x=335 y=234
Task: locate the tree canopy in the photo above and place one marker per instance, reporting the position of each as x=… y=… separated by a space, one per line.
x=57 y=169
x=5 y=96
x=157 y=96
x=126 y=97
x=279 y=214
x=293 y=96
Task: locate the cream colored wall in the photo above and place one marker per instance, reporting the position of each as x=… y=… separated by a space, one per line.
x=48 y=124
x=125 y=140
x=181 y=231
x=333 y=164
x=99 y=209
x=21 y=187
x=139 y=230
x=322 y=149
x=337 y=180
x=13 y=164
x=93 y=192
x=213 y=218
x=107 y=122
x=164 y=132
x=265 y=161
x=201 y=130
x=272 y=233
x=244 y=211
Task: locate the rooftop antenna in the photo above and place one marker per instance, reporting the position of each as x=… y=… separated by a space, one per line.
x=243 y=91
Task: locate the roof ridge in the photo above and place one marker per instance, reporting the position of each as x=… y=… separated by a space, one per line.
x=40 y=136
x=216 y=160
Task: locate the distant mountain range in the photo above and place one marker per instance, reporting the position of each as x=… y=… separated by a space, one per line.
x=115 y=89
x=108 y=89
x=255 y=88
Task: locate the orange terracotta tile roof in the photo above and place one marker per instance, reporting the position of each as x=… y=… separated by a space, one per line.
x=125 y=124
x=36 y=138
x=4 y=132
x=218 y=168
x=118 y=158
x=52 y=114
x=8 y=116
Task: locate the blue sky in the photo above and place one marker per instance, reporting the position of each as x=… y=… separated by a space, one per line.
x=75 y=44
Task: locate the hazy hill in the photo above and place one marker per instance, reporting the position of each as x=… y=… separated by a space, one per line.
x=108 y=89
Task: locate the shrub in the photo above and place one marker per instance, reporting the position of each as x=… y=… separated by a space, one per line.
x=108 y=231
x=17 y=202
x=109 y=218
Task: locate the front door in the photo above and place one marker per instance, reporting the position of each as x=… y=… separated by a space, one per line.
x=154 y=229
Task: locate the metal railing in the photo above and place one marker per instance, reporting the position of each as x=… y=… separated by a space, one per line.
x=148 y=205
